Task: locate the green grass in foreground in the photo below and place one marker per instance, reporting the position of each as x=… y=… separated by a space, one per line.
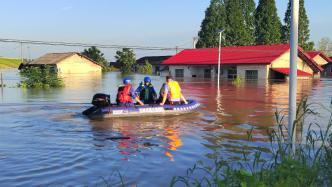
x=9 y=62
x=310 y=165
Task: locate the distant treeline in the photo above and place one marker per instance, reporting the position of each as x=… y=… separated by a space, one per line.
x=125 y=57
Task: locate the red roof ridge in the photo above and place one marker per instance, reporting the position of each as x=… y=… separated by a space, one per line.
x=312 y=54
x=313 y=62
x=242 y=46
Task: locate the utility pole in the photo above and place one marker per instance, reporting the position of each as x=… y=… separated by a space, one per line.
x=195 y=40
x=176 y=49
x=29 y=54
x=220 y=31
x=293 y=73
x=21 y=52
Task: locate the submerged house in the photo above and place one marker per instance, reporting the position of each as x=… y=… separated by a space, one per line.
x=70 y=62
x=322 y=60
x=156 y=61
x=249 y=62
x=327 y=69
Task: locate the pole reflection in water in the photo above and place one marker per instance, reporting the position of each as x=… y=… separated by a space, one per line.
x=1 y=93
x=218 y=99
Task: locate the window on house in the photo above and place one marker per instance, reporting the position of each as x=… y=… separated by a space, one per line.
x=207 y=73
x=232 y=72
x=251 y=74
x=179 y=72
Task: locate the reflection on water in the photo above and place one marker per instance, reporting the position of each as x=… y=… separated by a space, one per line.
x=44 y=139
x=134 y=134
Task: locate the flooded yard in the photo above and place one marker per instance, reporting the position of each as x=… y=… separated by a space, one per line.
x=46 y=141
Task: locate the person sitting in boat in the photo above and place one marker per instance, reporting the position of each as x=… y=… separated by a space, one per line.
x=146 y=92
x=171 y=90
x=126 y=95
x=161 y=94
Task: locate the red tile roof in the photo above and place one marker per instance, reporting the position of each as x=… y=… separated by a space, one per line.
x=312 y=63
x=313 y=54
x=286 y=72
x=259 y=54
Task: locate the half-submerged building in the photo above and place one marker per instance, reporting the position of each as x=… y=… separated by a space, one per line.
x=248 y=62
x=70 y=62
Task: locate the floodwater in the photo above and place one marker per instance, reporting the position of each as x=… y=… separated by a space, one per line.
x=45 y=141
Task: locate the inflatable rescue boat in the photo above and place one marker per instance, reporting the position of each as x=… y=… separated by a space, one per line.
x=102 y=108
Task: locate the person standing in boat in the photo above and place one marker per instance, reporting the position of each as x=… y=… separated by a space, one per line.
x=171 y=91
x=126 y=95
x=146 y=92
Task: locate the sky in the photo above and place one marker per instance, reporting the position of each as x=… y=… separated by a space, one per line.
x=165 y=23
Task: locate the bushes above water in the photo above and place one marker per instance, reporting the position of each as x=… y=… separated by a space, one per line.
x=310 y=165
x=40 y=77
x=146 y=68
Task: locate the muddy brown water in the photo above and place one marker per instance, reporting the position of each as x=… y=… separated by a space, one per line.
x=45 y=141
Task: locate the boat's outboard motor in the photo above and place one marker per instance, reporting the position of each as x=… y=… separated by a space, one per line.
x=101 y=100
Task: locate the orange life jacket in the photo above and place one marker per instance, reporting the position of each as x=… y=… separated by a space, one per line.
x=123 y=95
x=174 y=90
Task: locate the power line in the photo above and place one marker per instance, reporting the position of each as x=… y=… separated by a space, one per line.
x=77 y=44
x=136 y=47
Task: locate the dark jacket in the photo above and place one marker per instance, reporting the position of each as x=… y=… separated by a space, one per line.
x=147 y=93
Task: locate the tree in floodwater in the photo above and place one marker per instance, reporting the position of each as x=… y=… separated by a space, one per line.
x=267 y=23
x=237 y=31
x=325 y=45
x=40 y=77
x=249 y=9
x=304 y=31
x=146 y=68
x=96 y=55
x=126 y=57
x=214 y=20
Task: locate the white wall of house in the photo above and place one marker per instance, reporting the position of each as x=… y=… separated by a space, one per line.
x=199 y=70
x=262 y=70
x=224 y=70
x=192 y=70
x=186 y=71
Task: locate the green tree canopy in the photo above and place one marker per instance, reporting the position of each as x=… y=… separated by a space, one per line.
x=235 y=16
x=40 y=77
x=249 y=9
x=304 y=31
x=95 y=54
x=237 y=31
x=214 y=20
x=126 y=57
x=267 y=23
